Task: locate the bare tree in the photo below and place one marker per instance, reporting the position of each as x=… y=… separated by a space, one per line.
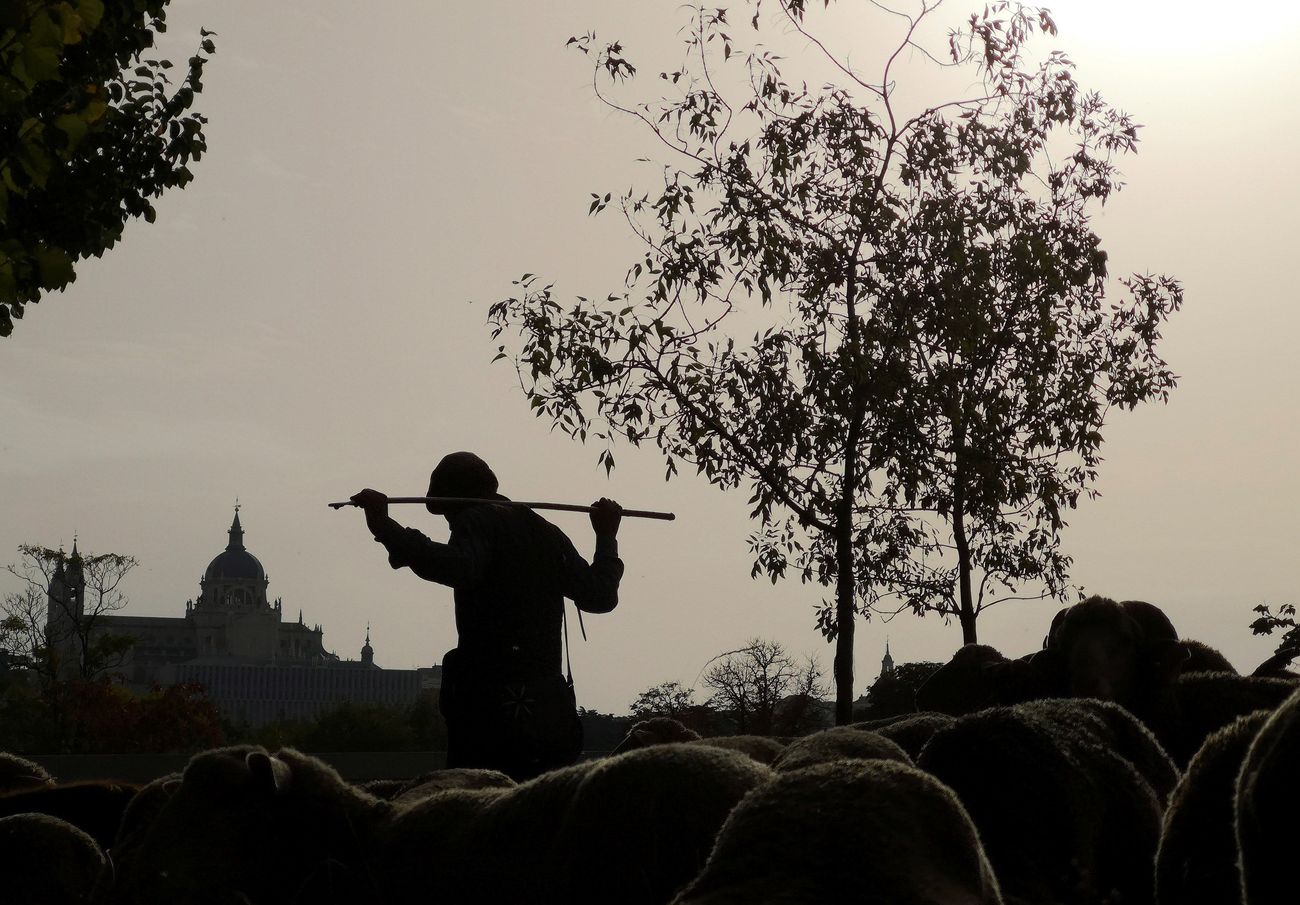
x=750 y=682
x=804 y=710
x=53 y=624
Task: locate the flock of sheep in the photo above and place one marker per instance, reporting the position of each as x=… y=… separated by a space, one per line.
x=1119 y=765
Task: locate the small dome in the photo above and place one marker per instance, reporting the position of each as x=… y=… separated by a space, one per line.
x=235 y=562
x=367 y=652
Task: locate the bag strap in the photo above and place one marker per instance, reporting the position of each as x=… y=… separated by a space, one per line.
x=564 y=620
x=568 y=664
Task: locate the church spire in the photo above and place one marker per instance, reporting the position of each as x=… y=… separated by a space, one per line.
x=74 y=575
x=367 y=652
x=887 y=664
x=236 y=532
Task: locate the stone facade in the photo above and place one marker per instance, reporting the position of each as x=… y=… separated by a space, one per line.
x=233 y=640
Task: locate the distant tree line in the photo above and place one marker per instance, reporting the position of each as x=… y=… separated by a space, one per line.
x=101 y=717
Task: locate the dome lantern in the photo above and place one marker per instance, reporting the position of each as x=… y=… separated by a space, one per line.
x=235 y=577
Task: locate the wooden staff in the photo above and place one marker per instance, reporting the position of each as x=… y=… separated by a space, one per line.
x=565 y=507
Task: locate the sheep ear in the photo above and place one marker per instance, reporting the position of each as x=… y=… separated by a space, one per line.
x=1054 y=629
x=1166 y=658
x=645 y=737
x=270 y=774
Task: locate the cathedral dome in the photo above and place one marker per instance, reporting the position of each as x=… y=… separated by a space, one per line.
x=235 y=562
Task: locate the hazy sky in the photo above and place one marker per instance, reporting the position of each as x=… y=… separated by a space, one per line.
x=307 y=318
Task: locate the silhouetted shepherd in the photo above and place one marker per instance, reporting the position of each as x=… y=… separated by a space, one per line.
x=507 y=705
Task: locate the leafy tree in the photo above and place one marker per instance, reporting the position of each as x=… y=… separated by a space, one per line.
x=62 y=636
x=894 y=693
x=670 y=699
x=100 y=717
x=25 y=727
x=931 y=361
x=601 y=731
x=665 y=699
x=358 y=727
x=428 y=729
x=1288 y=647
x=176 y=718
x=91 y=130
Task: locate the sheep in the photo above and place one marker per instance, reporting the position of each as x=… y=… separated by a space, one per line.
x=244 y=823
x=387 y=789
x=979 y=676
x=655 y=731
x=910 y=731
x=47 y=860
x=955 y=688
x=1268 y=796
x=1203 y=658
x=1112 y=650
x=761 y=748
x=1196 y=863
x=140 y=812
x=20 y=773
x=837 y=744
x=1115 y=651
x=662 y=729
x=1151 y=619
x=452 y=778
x=642 y=825
x=438 y=842
x=93 y=807
x=1066 y=795
x=633 y=828
x=852 y=831
x=1128 y=653
x=1185 y=712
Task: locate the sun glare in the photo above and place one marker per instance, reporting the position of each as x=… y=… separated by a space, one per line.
x=1176 y=27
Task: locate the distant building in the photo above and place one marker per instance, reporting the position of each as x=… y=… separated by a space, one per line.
x=887 y=662
x=233 y=641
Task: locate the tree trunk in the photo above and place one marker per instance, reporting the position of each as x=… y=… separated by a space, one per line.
x=966 y=600
x=844 y=625
x=844 y=587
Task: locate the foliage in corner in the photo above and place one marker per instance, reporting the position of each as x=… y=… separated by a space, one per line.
x=1288 y=648
x=92 y=130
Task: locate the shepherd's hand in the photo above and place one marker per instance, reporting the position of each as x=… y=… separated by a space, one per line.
x=606 y=516
x=375 y=505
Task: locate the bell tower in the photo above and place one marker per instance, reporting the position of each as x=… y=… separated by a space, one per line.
x=65 y=609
